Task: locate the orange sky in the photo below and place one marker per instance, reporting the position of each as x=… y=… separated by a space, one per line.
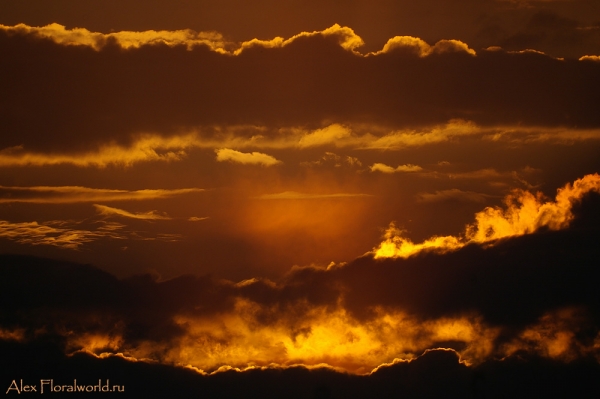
x=276 y=153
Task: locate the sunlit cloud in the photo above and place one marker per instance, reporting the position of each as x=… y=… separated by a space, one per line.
x=524 y=213
x=595 y=58
x=254 y=158
x=422 y=48
x=331 y=134
x=110 y=211
x=215 y=41
x=74 y=194
x=415 y=138
x=149 y=147
x=126 y=39
x=380 y=167
x=228 y=140
x=291 y=195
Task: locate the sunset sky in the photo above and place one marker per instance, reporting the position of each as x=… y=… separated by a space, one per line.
x=338 y=193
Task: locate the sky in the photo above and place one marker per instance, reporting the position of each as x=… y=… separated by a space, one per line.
x=358 y=198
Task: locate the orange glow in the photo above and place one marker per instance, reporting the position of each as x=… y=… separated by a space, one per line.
x=238 y=340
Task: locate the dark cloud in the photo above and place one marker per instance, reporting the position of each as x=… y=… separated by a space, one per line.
x=511 y=285
x=66 y=97
x=437 y=373
x=555 y=35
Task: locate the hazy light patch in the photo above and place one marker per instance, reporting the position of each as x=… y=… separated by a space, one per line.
x=452 y=194
x=254 y=158
x=291 y=195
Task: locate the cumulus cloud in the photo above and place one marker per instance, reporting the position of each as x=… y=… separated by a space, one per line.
x=422 y=48
x=254 y=158
x=380 y=167
x=215 y=41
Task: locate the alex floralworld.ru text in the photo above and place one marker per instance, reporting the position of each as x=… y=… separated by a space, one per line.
x=48 y=386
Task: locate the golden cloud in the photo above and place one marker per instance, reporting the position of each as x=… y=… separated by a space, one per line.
x=215 y=41
x=524 y=214
x=422 y=48
x=228 y=140
x=254 y=158
x=595 y=58
x=380 y=167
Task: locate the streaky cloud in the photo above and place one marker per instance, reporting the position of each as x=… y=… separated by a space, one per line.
x=76 y=194
x=110 y=211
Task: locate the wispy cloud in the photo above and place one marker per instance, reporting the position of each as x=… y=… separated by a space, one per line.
x=54 y=233
x=74 y=194
x=228 y=140
x=452 y=195
x=110 y=211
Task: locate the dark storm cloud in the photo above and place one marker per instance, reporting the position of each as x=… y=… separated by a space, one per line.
x=72 y=98
x=436 y=373
x=555 y=35
x=510 y=285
